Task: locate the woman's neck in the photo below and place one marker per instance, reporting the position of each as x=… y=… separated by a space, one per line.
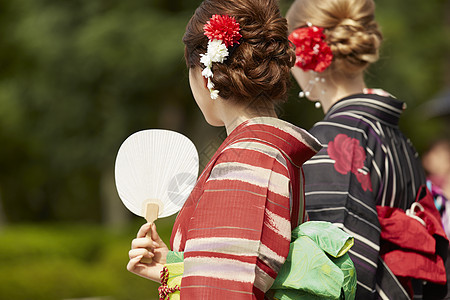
x=339 y=88
x=233 y=114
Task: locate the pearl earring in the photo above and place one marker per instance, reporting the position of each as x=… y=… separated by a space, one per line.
x=317 y=104
x=311 y=83
x=303 y=94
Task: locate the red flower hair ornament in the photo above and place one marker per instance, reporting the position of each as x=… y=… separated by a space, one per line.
x=312 y=52
x=222 y=32
x=224 y=28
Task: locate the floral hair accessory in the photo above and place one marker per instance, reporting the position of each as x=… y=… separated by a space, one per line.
x=312 y=52
x=222 y=32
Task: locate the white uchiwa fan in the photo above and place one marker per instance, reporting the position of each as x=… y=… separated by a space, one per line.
x=155 y=172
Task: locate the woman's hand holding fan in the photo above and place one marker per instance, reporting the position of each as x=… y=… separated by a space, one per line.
x=155 y=172
x=150 y=270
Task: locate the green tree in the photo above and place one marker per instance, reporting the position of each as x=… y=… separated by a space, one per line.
x=78 y=76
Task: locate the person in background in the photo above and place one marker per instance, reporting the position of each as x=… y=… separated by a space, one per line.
x=436 y=161
x=366 y=161
x=233 y=234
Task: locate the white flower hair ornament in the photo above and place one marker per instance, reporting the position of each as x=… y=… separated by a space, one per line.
x=222 y=32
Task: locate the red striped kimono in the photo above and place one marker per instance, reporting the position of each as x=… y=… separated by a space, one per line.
x=236 y=225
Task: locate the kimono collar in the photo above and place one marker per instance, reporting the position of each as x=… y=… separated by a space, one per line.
x=296 y=143
x=385 y=109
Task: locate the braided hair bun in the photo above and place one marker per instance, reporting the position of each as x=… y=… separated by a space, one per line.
x=350 y=29
x=258 y=68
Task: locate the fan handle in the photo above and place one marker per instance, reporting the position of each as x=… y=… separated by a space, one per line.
x=151 y=214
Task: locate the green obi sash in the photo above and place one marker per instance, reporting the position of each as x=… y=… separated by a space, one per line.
x=318 y=265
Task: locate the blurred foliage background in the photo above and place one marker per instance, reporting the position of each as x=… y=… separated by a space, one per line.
x=79 y=76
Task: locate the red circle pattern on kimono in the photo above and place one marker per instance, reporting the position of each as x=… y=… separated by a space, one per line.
x=349 y=156
x=365 y=181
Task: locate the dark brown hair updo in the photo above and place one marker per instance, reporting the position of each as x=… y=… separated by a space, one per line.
x=350 y=29
x=258 y=68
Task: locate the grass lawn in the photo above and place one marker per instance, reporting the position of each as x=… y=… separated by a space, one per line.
x=67 y=261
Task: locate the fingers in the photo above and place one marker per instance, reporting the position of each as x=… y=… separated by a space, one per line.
x=148 y=240
x=132 y=264
x=155 y=236
x=143 y=239
x=149 y=271
x=145 y=248
x=143 y=230
x=133 y=253
x=144 y=242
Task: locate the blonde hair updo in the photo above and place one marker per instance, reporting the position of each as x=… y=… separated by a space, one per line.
x=350 y=29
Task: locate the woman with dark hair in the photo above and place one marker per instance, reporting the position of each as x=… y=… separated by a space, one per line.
x=232 y=235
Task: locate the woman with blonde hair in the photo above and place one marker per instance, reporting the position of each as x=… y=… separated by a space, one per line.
x=366 y=162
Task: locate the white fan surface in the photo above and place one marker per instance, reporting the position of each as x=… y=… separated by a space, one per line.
x=156 y=164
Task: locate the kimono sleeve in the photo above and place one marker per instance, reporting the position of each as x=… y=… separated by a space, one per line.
x=339 y=190
x=239 y=234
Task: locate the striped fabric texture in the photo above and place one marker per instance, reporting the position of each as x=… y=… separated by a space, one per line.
x=365 y=161
x=236 y=225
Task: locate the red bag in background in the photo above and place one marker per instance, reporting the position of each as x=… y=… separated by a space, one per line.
x=413 y=243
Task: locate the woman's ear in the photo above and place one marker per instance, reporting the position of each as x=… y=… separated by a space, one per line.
x=205 y=82
x=197 y=73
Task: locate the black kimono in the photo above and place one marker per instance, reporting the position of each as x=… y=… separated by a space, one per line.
x=365 y=161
